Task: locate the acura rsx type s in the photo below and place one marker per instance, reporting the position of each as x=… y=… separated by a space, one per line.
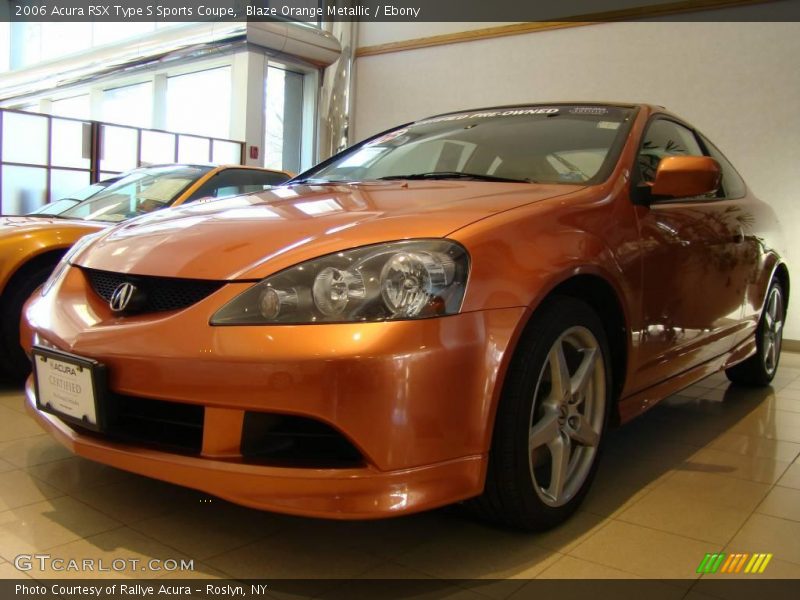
x=456 y=309
x=32 y=245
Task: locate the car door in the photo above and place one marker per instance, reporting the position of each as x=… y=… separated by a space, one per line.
x=692 y=289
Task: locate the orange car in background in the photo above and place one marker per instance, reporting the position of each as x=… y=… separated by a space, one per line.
x=456 y=309
x=32 y=245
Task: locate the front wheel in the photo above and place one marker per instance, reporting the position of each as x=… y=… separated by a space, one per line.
x=550 y=421
x=760 y=369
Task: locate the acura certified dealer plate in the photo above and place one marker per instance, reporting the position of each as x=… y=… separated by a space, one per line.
x=69 y=386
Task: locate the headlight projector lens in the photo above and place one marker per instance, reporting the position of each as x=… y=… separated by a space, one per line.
x=410 y=280
x=333 y=289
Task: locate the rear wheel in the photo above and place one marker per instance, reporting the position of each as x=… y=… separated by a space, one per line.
x=760 y=369
x=15 y=364
x=550 y=421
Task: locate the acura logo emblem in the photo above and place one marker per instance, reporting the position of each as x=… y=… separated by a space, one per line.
x=121 y=297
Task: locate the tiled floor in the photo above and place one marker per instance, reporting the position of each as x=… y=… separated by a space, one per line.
x=715 y=468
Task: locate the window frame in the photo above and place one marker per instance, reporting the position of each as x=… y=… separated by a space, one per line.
x=640 y=193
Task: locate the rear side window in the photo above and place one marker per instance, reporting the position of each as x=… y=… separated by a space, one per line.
x=732 y=185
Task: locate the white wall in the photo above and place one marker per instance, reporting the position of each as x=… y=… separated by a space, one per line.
x=737 y=82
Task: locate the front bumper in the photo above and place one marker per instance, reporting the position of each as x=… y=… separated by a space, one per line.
x=331 y=493
x=415 y=398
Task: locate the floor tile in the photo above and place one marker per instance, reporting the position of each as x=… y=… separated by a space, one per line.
x=119 y=553
x=688 y=517
x=137 y=498
x=15 y=425
x=750 y=468
x=715 y=489
x=33 y=450
x=18 y=488
x=566 y=536
x=487 y=554
x=791 y=394
x=40 y=526
x=782 y=502
x=791 y=478
x=13 y=400
x=569 y=567
x=76 y=473
x=764 y=533
x=290 y=557
x=777 y=424
x=406 y=583
x=479 y=551
x=385 y=538
x=9 y=571
x=643 y=551
x=209 y=529
x=739 y=443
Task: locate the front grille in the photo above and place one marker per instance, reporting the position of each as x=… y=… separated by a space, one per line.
x=267 y=438
x=158 y=293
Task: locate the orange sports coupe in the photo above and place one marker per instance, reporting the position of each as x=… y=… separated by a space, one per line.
x=32 y=245
x=456 y=309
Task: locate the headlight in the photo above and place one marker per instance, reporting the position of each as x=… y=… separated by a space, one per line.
x=398 y=280
x=66 y=261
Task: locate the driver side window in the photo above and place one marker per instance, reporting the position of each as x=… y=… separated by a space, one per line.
x=664 y=138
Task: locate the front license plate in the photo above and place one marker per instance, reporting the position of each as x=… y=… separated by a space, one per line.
x=69 y=386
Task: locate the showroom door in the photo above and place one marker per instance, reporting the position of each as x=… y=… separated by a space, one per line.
x=693 y=292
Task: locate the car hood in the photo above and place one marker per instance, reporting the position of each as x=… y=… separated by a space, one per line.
x=252 y=236
x=46 y=230
x=25 y=224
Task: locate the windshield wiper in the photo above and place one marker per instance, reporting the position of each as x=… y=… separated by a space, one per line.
x=455 y=175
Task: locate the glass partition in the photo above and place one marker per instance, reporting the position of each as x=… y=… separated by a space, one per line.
x=25 y=138
x=193 y=149
x=70 y=142
x=44 y=158
x=158 y=148
x=118 y=148
x=24 y=188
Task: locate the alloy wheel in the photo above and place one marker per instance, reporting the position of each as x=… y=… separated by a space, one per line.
x=773 y=330
x=567 y=416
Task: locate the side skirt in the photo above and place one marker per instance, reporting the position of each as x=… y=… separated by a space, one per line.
x=644 y=400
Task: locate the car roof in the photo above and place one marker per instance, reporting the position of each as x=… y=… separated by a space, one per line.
x=212 y=166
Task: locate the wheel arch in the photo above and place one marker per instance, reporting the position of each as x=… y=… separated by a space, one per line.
x=781 y=273
x=596 y=290
x=34 y=263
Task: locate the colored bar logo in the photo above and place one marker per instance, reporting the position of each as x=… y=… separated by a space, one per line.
x=739 y=562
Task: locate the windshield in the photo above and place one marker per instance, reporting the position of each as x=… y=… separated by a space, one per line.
x=541 y=144
x=59 y=206
x=139 y=192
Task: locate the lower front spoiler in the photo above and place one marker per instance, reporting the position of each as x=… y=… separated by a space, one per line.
x=355 y=493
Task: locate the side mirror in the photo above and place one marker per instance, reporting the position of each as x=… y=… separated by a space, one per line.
x=686 y=176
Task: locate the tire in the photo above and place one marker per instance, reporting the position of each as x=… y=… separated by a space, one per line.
x=759 y=370
x=520 y=490
x=15 y=363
